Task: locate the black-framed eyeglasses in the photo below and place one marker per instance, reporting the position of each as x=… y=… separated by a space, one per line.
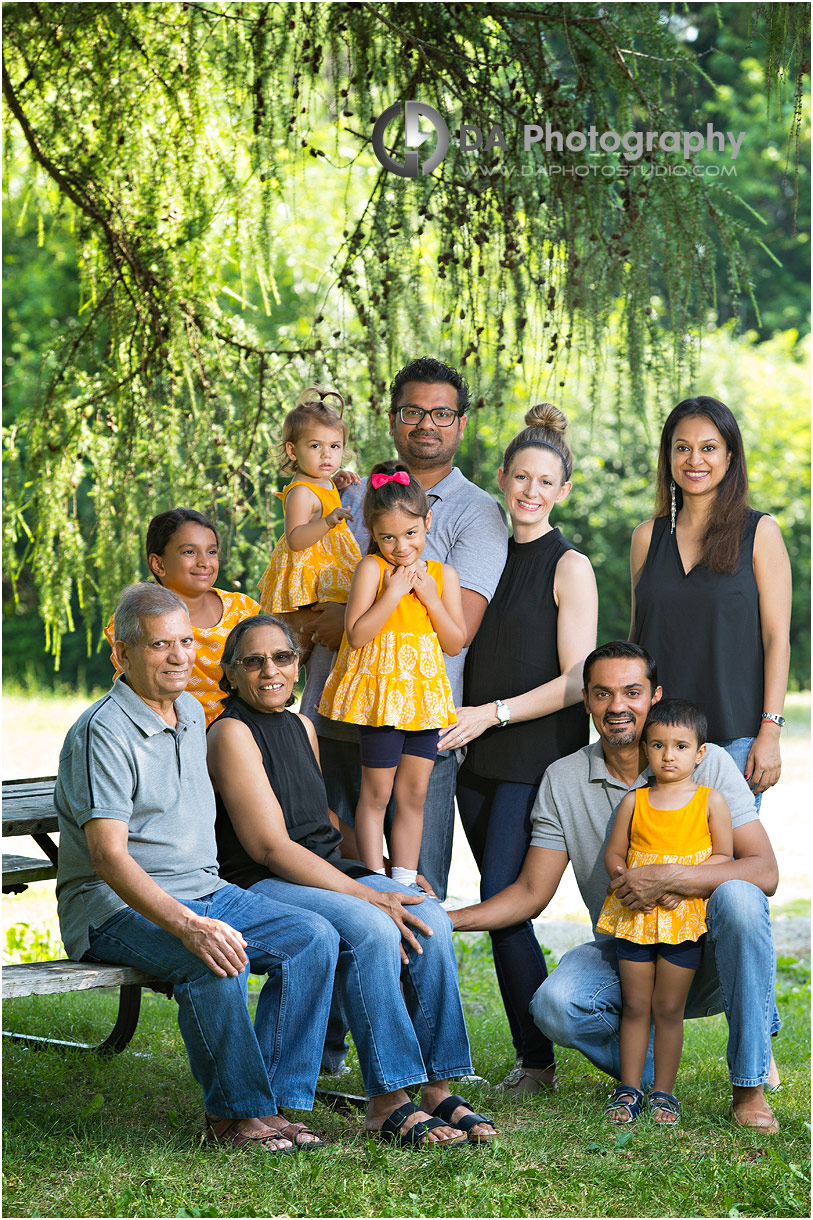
x=443 y=417
x=256 y=660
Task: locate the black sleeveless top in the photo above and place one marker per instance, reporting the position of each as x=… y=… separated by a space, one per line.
x=297 y=783
x=703 y=630
x=515 y=650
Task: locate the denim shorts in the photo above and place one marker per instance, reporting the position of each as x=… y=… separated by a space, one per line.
x=688 y=953
x=383 y=746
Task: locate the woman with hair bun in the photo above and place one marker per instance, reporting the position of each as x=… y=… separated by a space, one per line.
x=524 y=709
x=711 y=589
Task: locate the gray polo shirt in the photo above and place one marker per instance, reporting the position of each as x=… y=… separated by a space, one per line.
x=468 y=531
x=121 y=760
x=577 y=799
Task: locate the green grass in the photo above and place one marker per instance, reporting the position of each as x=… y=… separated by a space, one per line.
x=86 y=1137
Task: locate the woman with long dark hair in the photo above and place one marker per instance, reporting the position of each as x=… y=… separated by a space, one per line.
x=711 y=589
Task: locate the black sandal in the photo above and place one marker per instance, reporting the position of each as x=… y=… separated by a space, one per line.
x=447 y=1108
x=392 y=1130
x=658 y=1100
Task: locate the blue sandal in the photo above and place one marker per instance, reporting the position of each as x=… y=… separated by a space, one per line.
x=658 y=1100
x=624 y=1097
x=392 y=1130
x=447 y=1108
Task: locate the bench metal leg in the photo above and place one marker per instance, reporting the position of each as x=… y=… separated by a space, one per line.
x=120 y=1035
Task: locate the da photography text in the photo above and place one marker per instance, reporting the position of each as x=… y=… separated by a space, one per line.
x=472 y=139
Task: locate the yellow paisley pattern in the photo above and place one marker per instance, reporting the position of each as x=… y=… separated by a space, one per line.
x=321 y=573
x=663 y=836
x=398 y=678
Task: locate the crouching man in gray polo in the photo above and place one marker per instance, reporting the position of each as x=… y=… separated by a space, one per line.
x=138 y=886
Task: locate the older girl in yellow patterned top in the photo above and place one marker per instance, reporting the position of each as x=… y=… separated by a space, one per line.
x=182 y=554
x=674 y=821
x=389 y=678
x=316 y=556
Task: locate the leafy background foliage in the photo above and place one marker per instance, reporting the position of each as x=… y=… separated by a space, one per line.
x=195 y=227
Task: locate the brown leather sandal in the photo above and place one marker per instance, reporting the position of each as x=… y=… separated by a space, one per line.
x=280 y=1125
x=226 y=1132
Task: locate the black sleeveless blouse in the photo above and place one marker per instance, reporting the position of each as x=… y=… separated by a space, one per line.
x=703 y=630
x=297 y=783
x=515 y=650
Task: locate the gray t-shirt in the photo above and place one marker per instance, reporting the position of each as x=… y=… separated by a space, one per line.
x=468 y=531
x=577 y=799
x=121 y=760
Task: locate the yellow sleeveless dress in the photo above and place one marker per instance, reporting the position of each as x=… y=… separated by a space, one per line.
x=321 y=573
x=663 y=836
x=398 y=678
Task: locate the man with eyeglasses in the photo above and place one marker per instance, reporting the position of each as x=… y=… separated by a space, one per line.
x=429 y=402
x=138 y=885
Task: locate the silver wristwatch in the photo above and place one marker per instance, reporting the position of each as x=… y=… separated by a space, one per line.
x=503 y=712
x=775 y=718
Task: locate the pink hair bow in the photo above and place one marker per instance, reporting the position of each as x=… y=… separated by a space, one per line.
x=400 y=476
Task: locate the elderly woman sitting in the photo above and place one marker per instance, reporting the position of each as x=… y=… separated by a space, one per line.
x=276 y=837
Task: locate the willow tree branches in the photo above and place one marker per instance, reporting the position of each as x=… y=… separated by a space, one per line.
x=212 y=166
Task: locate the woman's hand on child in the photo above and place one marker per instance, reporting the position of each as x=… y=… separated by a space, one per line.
x=344 y=478
x=471 y=722
x=333 y=518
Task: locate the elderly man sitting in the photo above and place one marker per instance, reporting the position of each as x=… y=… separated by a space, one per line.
x=138 y=885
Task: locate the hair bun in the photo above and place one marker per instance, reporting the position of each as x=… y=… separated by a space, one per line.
x=546 y=415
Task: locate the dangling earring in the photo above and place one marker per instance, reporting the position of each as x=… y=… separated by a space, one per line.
x=674 y=503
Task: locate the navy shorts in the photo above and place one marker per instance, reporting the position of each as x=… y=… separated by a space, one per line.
x=383 y=746
x=688 y=953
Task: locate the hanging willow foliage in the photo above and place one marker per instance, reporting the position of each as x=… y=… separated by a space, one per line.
x=168 y=135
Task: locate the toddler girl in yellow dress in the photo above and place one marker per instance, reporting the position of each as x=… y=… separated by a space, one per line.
x=314 y=559
x=389 y=678
x=674 y=821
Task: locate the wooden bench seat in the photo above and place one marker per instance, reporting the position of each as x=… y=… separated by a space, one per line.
x=51 y=978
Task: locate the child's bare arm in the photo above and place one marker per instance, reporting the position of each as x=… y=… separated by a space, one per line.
x=304 y=523
x=615 y=856
x=445 y=612
x=366 y=613
x=722 y=836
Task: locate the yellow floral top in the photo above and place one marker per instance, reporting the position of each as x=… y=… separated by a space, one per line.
x=663 y=836
x=321 y=573
x=398 y=678
x=206 y=672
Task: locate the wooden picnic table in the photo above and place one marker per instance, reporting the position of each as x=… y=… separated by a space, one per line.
x=28 y=809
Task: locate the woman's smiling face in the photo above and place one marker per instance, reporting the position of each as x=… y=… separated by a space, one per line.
x=531 y=485
x=190 y=563
x=698 y=455
x=266 y=686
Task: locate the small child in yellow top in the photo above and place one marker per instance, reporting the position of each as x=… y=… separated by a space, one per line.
x=674 y=821
x=389 y=678
x=315 y=558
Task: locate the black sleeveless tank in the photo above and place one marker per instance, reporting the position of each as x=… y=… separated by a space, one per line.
x=703 y=630
x=515 y=650
x=297 y=783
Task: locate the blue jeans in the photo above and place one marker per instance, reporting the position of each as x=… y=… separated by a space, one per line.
x=401 y=1039
x=738 y=748
x=341 y=767
x=245 y=1070
x=496 y=817
x=579 y=1004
